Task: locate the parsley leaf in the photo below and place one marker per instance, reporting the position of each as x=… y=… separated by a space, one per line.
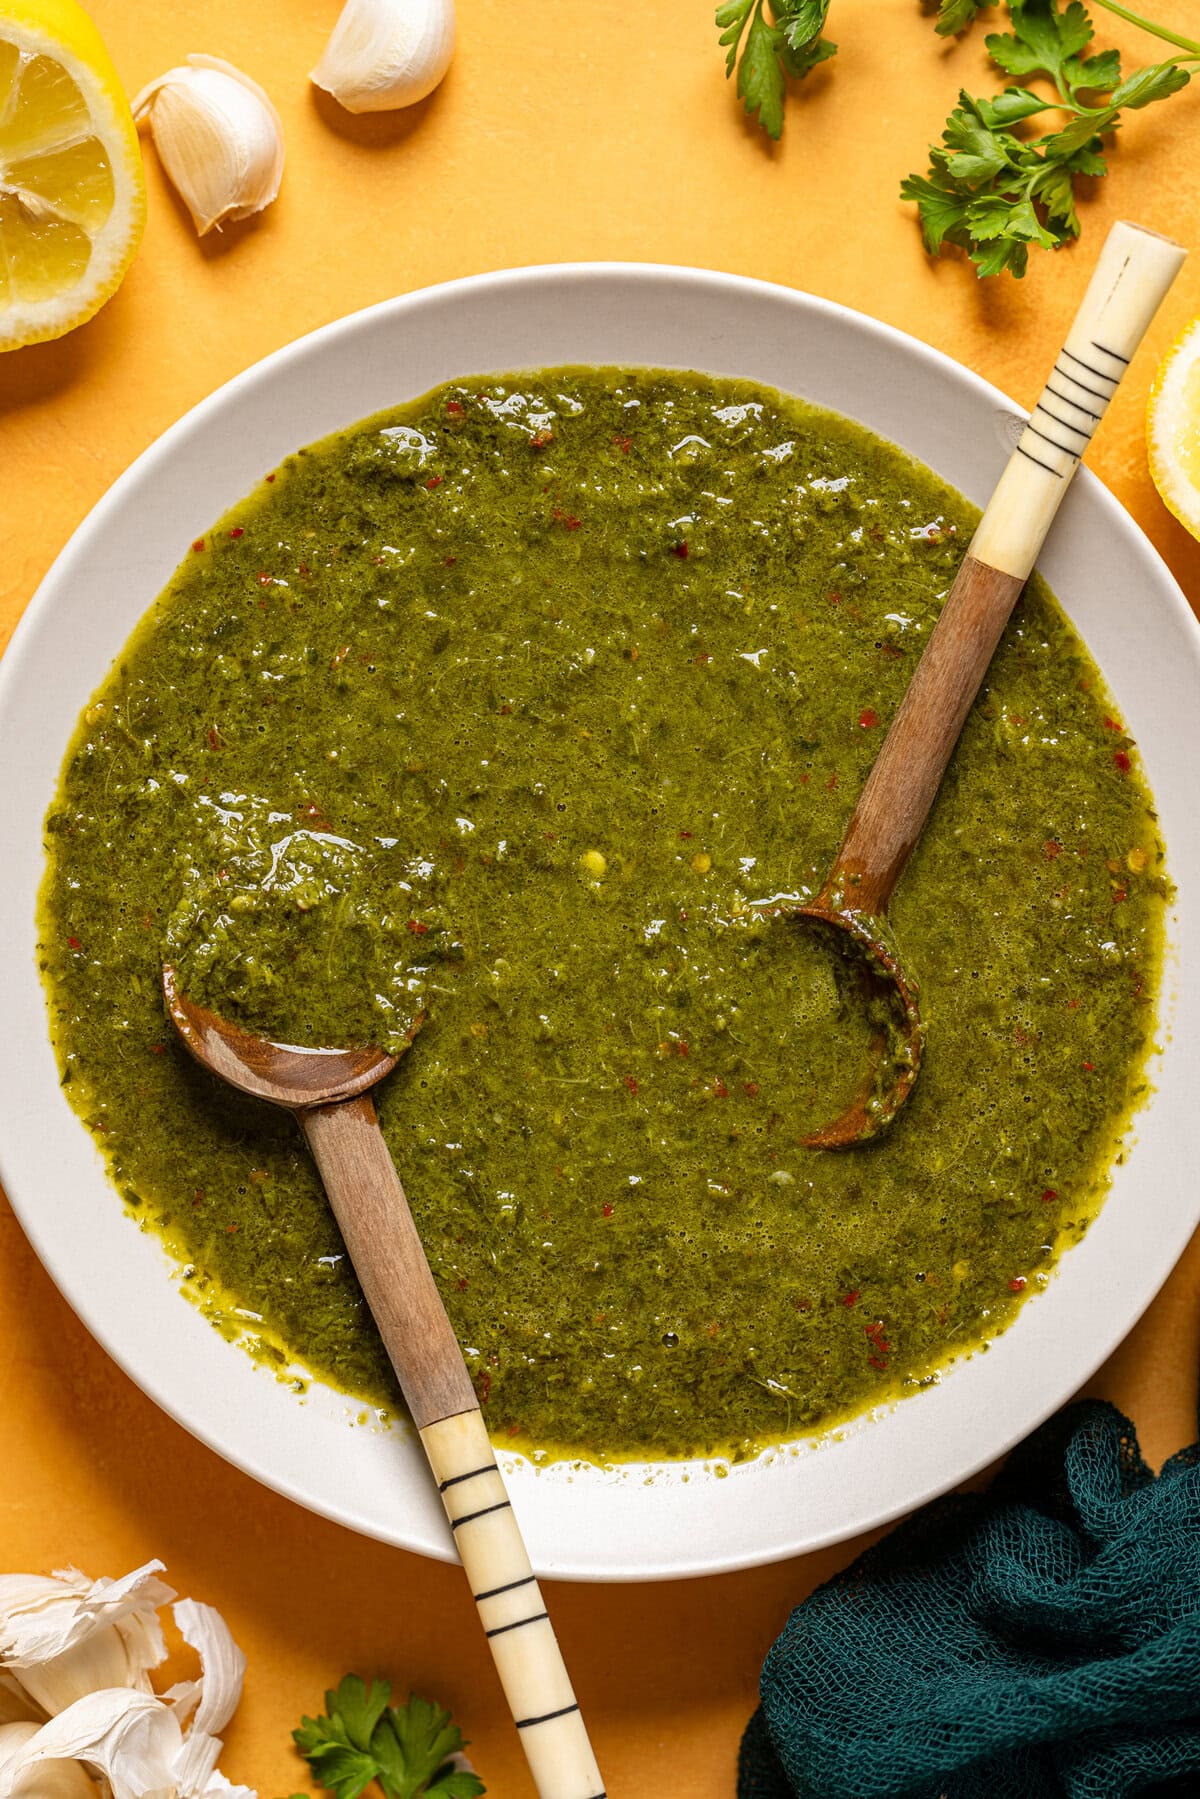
x=407 y=1749
x=767 y=50
x=992 y=188
x=1042 y=39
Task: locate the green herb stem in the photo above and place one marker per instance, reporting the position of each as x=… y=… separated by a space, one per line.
x=1159 y=31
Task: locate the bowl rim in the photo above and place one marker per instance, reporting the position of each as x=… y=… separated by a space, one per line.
x=21 y=658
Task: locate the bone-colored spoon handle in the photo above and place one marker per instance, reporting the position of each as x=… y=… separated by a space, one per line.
x=372 y=1212
x=1135 y=269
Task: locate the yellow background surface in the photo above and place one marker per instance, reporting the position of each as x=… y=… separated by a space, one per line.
x=588 y=131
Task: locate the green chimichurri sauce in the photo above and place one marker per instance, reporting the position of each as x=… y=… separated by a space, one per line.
x=506 y=707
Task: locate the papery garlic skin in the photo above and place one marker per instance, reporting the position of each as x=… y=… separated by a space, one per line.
x=386 y=53
x=63 y=1635
x=218 y=137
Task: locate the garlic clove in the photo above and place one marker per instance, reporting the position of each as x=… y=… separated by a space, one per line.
x=46 y=1780
x=386 y=53
x=218 y=137
x=132 y=1740
x=62 y=1635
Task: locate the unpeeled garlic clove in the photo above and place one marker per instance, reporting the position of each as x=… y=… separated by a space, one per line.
x=218 y=137
x=386 y=53
x=63 y=1635
x=45 y=1780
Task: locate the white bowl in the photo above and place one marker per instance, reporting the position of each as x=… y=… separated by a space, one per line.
x=637 y=1521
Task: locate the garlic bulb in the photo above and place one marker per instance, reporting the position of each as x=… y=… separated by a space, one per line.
x=79 y=1650
x=218 y=137
x=386 y=53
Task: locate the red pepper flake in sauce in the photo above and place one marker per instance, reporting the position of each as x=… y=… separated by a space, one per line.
x=835 y=599
x=681 y=1049
x=449 y=561
x=852 y=1298
x=198 y=545
x=270 y=477
x=606 y=1211
x=434 y=481
x=237 y=531
x=1121 y=759
x=483 y=1386
x=1049 y=1195
x=417 y=928
x=540 y=439
x=750 y=1088
x=567 y=520
x=1110 y=724
x=1051 y=849
x=1017 y=1284
x=158 y=1049
x=339 y=656
x=720 y=1090
x=631 y=1083
x=831 y=784
x=462 y=1284
x=686 y=833
x=1089 y=1066
x=455 y=408
x=1119 y=894
x=680 y=549
x=701 y=659
x=74 y=943
x=215 y=741
x=868 y=718
x=263 y=578
x=624 y=444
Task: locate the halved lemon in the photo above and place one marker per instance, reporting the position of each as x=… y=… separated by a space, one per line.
x=72 y=188
x=1173 y=429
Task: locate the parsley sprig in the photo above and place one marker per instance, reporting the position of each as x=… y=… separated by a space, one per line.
x=1004 y=175
x=786 y=43
x=406 y=1749
x=992 y=187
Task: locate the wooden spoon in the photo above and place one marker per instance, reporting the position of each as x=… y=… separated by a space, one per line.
x=1135 y=269
x=328 y=1091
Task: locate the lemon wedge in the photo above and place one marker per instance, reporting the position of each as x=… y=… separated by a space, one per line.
x=72 y=188
x=1173 y=429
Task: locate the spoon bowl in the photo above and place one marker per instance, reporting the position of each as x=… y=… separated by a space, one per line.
x=283 y=1074
x=887 y=997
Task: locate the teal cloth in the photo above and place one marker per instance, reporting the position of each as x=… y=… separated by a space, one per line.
x=1039 y=1641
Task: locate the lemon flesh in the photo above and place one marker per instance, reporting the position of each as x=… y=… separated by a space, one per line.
x=72 y=191
x=1173 y=429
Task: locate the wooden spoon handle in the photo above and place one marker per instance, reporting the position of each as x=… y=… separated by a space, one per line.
x=1135 y=269
x=372 y=1212
x=377 y=1227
